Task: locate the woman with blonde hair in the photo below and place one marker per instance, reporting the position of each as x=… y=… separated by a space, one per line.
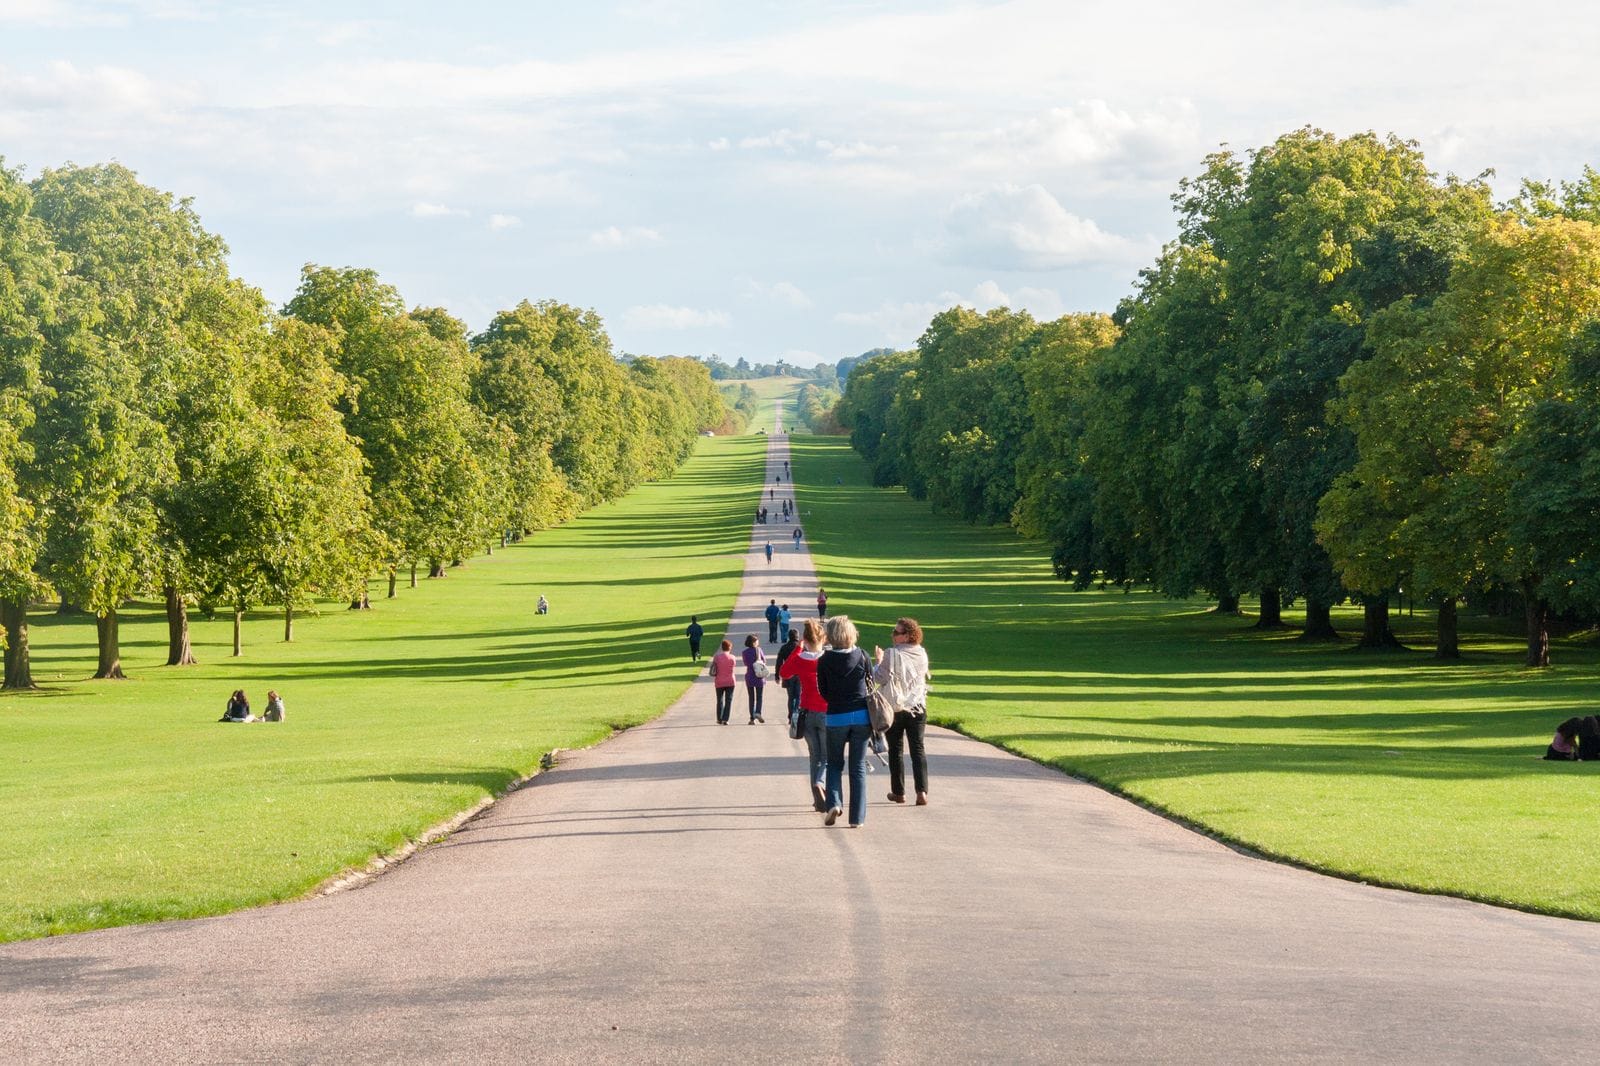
x=902 y=676
x=842 y=681
x=802 y=667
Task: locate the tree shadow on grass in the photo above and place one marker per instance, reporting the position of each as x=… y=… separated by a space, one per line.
x=491 y=780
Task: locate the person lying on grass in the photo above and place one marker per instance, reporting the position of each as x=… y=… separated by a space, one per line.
x=1562 y=746
x=1588 y=738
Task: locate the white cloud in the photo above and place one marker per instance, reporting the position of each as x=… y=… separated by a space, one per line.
x=784 y=140
x=617 y=237
x=498 y=222
x=900 y=324
x=785 y=293
x=718 y=144
x=426 y=210
x=664 y=316
x=1012 y=227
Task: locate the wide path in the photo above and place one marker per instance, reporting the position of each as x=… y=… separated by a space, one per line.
x=670 y=897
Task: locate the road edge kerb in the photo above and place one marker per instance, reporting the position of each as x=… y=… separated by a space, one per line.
x=1251 y=851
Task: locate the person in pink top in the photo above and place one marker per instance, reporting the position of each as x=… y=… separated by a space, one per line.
x=721 y=671
x=802 y=666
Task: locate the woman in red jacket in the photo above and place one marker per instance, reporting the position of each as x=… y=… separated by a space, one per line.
x=802 y=666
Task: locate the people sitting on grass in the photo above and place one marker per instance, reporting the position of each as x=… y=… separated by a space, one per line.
x=274 y=711
x=1564 y=745
x=238 y=708
x=1588 y=738
x=543 y=606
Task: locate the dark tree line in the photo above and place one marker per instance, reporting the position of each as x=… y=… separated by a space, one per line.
x=1347 y=376
x=163 y=431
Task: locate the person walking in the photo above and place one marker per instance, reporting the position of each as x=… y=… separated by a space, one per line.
x=902 y=677
x=786 y=468
x=801 y=667
x=721 y=671
x=791 y=645
x=695 y=632
x=783 y=618
x=842 y=680
x=755 y=676
x=796 y=536
x=769 y=562
x=771 y=615
x=822 y=602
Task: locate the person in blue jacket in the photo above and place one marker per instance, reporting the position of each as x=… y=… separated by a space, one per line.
x=771 y=614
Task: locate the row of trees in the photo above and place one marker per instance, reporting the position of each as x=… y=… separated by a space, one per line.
x=163 y=430
x=1347 y=376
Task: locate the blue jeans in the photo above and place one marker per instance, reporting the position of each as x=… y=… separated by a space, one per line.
x=793 y=689
x=754 y=692
x=857 y=737
x=816 y=735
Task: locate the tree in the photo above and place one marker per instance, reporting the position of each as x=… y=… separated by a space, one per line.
x=29 y=287
x=135 y=255
x=1438 y=409
x=1057 y=494
x=407 y=406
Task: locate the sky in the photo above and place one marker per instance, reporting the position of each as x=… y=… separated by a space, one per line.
x=760 y=179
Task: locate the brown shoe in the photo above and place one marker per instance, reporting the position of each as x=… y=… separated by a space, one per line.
x=895 y=797
x=922 y=799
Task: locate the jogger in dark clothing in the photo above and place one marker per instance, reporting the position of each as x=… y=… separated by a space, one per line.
x=695 y=632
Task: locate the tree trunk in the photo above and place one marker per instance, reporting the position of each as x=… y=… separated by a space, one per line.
x=1447 y=646
x=64 y=607
x=238 y=630
x=1375 y=631
x=413 y=575
x=489 y=549
x=19 y=667
x=457 y=562
x=394 y=575
x=288 y=622
x=1537 y=612
x=1227 y=603
x=110 y=668
x=436 y=568
x=503 y=538
x=179 y=650
x=1319 y=620
x=1271 y=616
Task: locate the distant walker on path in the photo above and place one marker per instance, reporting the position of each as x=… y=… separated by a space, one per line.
x=772 y=614
x=822 y=602
x=695 y=632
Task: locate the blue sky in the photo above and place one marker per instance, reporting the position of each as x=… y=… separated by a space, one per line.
x=759 y=179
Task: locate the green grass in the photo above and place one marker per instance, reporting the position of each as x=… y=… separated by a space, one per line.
x=126 y=802
x=1386 y=767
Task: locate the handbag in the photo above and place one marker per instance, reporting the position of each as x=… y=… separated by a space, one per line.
x=797 y=725
x=879 y=714
x=760 y=669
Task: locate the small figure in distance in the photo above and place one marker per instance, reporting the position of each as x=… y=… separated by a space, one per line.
x=274 y=711
x=755 y=676
x=694 y=633
x=772 y=614
x=796 y=535
x=721 y=671
x=769 y=553
x=238 y=708
x=901 y=674
x=786 y=468
x=543 y=606
x=822 y=602
x=1561 y=745
x=783 y=619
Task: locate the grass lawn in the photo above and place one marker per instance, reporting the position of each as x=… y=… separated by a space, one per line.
x=126 y=801
x=1386 y=767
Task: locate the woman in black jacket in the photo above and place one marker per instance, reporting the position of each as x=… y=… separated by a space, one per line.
x=842 y=680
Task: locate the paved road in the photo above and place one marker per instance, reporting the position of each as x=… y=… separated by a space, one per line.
x=670 y=897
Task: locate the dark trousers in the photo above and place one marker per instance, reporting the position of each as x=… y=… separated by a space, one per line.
x=754 y=692
x=694 y=650
x=772 y=632
x=792 y=687
x=910 y=727
x=724 y=703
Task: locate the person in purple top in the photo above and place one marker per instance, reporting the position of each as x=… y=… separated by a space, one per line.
x=754 y=682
